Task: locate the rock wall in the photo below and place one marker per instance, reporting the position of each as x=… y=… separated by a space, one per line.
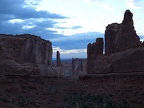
x=131 y=60
x=26 y=52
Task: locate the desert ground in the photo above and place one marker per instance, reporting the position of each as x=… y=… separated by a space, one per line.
x=85 y=92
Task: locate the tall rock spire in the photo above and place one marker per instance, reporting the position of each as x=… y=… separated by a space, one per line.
x=128 y=17
x=58 y=59
x=126 y=37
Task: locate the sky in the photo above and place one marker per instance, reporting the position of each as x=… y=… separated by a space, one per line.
x=69 y=24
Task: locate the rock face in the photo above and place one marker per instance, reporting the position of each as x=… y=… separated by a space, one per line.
x=110 y=35
x=123 y=49
x=79 y=67
x=126 y=37
x=93 y=50
x=120 y=37
x=131 y=60
x=27 y=53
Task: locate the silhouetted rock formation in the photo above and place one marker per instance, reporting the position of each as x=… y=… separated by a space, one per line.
x=25 y=53
x=58 y=59
x=126 y=37
x=120 y=37
x=123 y=49
x=110 y=35
x=92 y=51
x=95 y=48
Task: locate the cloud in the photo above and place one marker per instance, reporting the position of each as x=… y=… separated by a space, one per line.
x=107 y=6
x=141 y=37
x=101 y=3
x=18 y=17
x=16 y=9
x=76 y=41
x=70 y=51
x=73 y=27
x=133 y=4
x=95 y=0
x=76 y=27
x=73 y=53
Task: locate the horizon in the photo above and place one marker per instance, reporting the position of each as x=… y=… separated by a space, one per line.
x=69 y=25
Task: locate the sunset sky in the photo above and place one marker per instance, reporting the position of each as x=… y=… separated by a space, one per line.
x=69 y=24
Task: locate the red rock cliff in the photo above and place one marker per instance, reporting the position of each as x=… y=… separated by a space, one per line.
x=25 y=52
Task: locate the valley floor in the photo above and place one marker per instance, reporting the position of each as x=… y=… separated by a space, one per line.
x=86 y=92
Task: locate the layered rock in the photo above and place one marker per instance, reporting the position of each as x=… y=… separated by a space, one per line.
x=27 y=53
x=99 y=65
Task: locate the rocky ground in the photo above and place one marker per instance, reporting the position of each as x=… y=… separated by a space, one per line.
x=87 y=92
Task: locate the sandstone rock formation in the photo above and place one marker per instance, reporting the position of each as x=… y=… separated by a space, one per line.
x=126 y=37
x=58 y=59
x=120 y=37
x=131 y=60
x=25 y=54
x=25 y=48
x=79 y=67
x=110 y=35
x=123 y=50
x=93 y=50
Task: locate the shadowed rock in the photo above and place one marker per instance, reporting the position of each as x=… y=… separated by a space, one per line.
x=27 y=53
x=126 y=37
x=110 y=35
x=123 y=50
x=120 y=37
x=128 y=17
x=58 y=59
x=93 y=50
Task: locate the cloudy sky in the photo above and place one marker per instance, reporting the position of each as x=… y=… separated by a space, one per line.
x=69 y=24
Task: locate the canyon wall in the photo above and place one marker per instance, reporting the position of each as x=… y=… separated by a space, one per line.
x=25 y=54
